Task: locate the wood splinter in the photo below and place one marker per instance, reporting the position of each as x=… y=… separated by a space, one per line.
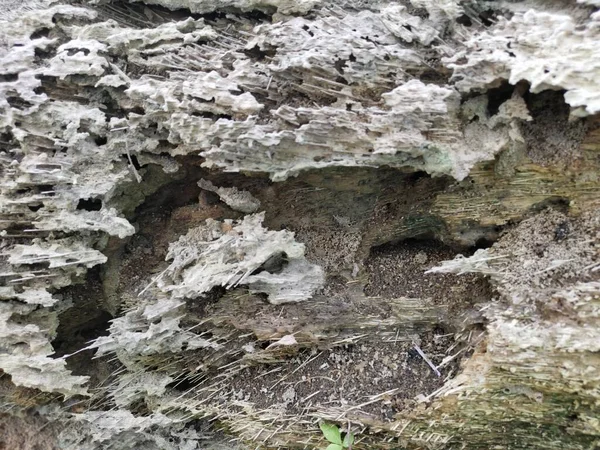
x=427 y=360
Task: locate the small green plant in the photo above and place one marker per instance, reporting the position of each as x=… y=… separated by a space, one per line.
x=333 y=435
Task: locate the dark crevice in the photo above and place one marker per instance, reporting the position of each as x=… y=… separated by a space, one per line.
x=100 y=140
x=482 y=243
x=419 y=12
x=213 y=16
x=86 y=319
x=41 y=33
x=165 y=144
x=140 y=408
x=9 y=77
x=307 y=29
x=182 y=383
x=432 y=76
x=36 y=207
x=7 y=140
x=339 y=65
x=175 y=194
x=47 y=189
x=260 y=54
x=275 y=264
x=488 y=17
x=18 y=102
x=552 y=137
x=258 y=15
x=59 y=151
x=464 y=20
x=198 y=306
x=416 y=176
x=89 y=204
x=43 y=54
x=209 y=115
x=560 y=204
x=60 y=90
x=134 y=161
x=74 y=51
x=497 y=96
x=44 y=189
x=136 y=110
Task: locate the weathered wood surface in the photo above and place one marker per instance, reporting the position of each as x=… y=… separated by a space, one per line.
x=147 y=303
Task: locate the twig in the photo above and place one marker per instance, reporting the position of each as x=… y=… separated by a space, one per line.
x=348 y=434
x=427 y=360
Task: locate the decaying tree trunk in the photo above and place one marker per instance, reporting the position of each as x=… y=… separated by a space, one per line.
x=227 y=221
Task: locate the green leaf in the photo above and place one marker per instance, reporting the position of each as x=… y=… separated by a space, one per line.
x=331 y=433
x=348 y=440
x=334 y=447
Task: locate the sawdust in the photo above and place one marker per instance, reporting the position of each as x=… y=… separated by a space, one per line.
x=397 y=270
x=26 y=433
x=348 y=376
x=549 y=251
x=551 y=138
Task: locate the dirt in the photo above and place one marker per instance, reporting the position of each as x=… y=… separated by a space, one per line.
x=26 y=433
x=349 y=377
x=549 y=251
x=551 y=137
x=398 y=270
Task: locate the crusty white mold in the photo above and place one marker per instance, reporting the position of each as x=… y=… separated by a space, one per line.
x=237 y=200
x=547 y=49
x=230 y=254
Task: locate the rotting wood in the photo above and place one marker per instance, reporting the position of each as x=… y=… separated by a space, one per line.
x=429 y=176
